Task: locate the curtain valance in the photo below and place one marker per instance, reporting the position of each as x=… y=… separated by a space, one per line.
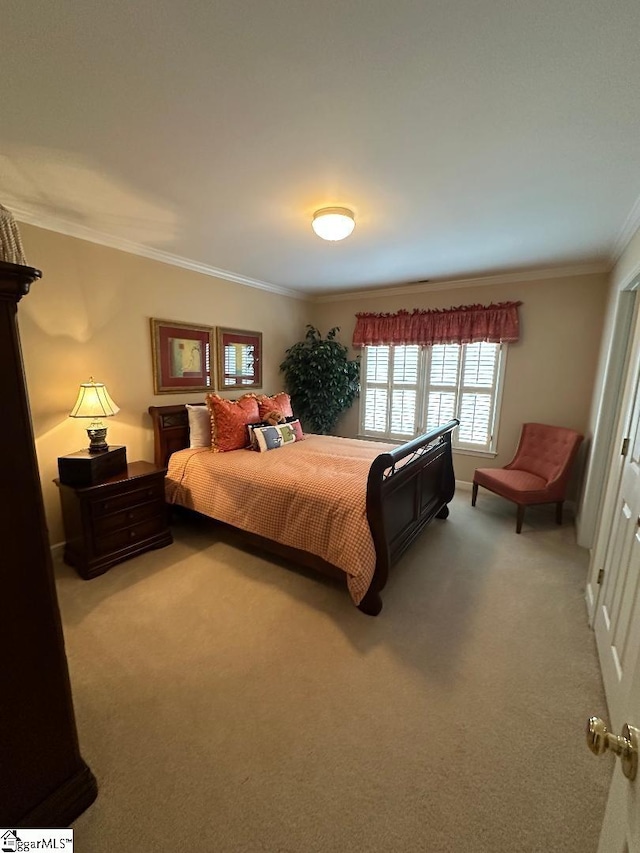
x=495 y=323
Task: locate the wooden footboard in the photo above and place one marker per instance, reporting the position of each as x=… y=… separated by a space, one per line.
x=406 y=488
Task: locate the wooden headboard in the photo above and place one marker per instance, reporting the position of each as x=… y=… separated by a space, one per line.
x=170 y=430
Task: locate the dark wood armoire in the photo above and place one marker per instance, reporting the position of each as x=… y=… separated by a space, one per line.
x=43 y=779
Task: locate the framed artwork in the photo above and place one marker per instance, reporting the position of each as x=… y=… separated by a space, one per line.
x=239 y=359
x=182 y=357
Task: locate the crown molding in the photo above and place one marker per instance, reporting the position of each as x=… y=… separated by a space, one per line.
x=631 y=225
x=82 y=232
x=476 y=281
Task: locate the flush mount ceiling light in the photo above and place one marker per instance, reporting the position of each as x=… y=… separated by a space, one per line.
x=333 y=223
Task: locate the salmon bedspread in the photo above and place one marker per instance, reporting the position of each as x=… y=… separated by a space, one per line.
x=309 y=495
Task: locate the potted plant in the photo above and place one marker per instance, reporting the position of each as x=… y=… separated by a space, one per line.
x=320 y=378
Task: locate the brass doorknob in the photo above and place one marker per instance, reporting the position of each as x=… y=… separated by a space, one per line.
x=600 y=739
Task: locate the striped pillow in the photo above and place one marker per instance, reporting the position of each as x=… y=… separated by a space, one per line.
x=272 y=437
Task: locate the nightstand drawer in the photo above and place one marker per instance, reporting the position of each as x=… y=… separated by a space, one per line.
x=127 y=499
x=103 y=524
x=119 y=539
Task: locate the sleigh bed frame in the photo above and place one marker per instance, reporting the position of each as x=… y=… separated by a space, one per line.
x=406 y=488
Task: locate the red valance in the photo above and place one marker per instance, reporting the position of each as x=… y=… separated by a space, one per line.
x=465 y=324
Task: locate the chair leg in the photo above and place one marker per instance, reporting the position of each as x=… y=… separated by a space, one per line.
x=559 y=512
x=519 y=518
x=474 y=494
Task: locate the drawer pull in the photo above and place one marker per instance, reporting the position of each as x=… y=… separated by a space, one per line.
x=130 y=515
x=149 y=493
x=106 y=505
x=132 y=534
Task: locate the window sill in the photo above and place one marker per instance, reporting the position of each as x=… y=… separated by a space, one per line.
x=383 y=440
x=463 y=451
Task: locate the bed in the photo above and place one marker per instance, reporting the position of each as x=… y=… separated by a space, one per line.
x=345 y=507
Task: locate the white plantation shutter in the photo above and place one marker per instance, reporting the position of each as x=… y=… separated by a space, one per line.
x=405 y=365
x=475 y=418
x=390 y=396
x=480 y=364
x=462 y=383
x=411 y=389
x=444 y=370
x=377 y=364
x=404 y=394
x=376 y=390
x=239 y=364
x=403 y=412
x=375 y=419
x=444 y=366
x=477 y=394
x=229 y=365
x=441 y=407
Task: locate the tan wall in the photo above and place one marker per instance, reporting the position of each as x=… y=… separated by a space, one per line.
x=549 y=372
x=89 y=316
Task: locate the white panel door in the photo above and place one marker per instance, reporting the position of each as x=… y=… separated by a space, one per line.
x=617 y=626
x=621 y=825
x=609 y=516
x=617 y=630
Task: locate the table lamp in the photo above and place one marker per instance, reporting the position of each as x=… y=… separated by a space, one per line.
x=94 y=402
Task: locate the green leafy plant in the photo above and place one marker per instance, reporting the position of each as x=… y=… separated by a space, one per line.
x=320 y=378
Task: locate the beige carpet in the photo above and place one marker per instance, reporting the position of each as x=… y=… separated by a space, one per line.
x=227 y=703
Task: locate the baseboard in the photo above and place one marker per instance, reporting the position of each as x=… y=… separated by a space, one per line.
x=65 y=804
x=57 y=550
x=463 y=486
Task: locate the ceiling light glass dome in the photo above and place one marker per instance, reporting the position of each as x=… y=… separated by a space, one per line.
x=333 y=223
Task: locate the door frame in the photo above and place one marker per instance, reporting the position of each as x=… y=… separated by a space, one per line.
x=614 y=414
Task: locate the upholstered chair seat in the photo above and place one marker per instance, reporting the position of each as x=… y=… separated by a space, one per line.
x=538 y=473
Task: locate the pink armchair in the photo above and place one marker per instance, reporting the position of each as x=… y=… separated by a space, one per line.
x=538 y=473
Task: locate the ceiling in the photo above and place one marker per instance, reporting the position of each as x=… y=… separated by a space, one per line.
x=469 y=137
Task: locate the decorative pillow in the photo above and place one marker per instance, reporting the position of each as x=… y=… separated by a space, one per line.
x=278 y=403
x=229 y=419
x=296 y=426
x=251 y=428
x=199 y=425
x=272 y=437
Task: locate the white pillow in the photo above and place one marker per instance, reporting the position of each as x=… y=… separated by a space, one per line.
x=199 y=426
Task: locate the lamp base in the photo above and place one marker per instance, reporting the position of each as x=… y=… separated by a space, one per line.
x=97 y=439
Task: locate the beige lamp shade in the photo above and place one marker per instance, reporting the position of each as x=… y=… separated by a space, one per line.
x=93 y=402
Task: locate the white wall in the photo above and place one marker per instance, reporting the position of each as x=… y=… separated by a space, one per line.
x=606 y=400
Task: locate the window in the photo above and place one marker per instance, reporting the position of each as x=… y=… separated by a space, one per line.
x=238 y=364
x=239 y=359
x=407 y=390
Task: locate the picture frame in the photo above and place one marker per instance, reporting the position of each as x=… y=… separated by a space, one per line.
x=183 y=357
x=239 y=359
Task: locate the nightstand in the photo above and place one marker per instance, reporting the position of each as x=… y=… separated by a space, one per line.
x=116 y=519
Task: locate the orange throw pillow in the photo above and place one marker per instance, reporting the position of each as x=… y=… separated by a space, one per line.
x=229 y=419
x=278 y=403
